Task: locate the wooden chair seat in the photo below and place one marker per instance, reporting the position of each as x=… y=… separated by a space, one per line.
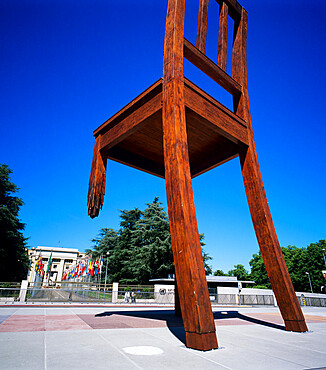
x=134 y=135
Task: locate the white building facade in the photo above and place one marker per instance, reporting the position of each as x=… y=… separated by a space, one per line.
x=62 y=260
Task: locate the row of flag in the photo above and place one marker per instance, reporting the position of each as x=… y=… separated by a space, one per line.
x=39 y=267
x=84 y=268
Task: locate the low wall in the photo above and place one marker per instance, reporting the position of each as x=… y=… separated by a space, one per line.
x=163 y=294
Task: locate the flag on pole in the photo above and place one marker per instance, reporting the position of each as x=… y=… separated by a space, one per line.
x=37 y=262
x=49 y=264
x=90 y=272
x=80 y=268
x=41 y=268
x=84 y=266
x=92 y=267
x=39 y=265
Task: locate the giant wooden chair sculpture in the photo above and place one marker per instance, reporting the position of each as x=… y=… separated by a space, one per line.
x=176 y=131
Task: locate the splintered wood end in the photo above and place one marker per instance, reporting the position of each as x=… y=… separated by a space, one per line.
x=96 y=189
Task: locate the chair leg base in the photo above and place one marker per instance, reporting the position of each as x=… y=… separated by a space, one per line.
x=201 y=342
x=296 y=325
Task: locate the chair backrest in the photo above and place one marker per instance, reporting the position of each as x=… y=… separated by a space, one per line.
x=176 y=46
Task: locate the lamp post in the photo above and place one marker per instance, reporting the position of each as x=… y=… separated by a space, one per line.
x=309 y=281
x=106 y=270
x=324 y=255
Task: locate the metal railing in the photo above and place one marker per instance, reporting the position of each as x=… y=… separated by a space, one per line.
x=78 y=294
x=252 y=300
x=9 y=294
x=71 y=294
x=223 y=298
x=87 y=292
x=312 y=301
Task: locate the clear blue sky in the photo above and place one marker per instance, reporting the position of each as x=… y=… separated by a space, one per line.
x=67 y=66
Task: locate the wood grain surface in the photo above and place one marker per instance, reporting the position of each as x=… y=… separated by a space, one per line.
x=177 y=131
x=262 y=220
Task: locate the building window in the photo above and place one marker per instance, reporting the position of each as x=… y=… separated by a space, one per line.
x=56 y=260
x=55 y=266
x=68 y=261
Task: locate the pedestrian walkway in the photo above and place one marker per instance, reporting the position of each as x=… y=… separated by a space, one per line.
x=136 y=337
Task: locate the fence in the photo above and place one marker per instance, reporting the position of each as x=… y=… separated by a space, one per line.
x=74 y=294
x=90 y=292
x=82 y=292
x=223 y=299
x=252 y=300
x=312 y=301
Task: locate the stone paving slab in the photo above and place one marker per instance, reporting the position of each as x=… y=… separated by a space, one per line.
x=65 y=322
x=65 y=319
x=298 y=350
x=153 y=338
x=174 y=353
x=115 y=321
x=3 y=318
x=22 y=350
x=20 y=323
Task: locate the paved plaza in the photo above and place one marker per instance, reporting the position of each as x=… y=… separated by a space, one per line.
x=151 y=337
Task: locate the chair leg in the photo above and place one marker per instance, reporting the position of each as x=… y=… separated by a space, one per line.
x=189 y=267
x=268 y=242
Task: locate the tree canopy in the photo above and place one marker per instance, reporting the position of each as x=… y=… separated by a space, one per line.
x=240 y=272
x=14 y=258
x=141 y=249
x=299 y=261
x=219 y=272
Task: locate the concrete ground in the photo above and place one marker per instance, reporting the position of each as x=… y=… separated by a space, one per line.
x=151 y=337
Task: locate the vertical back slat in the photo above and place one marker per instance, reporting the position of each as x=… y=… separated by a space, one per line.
x=202 y=25
x=222 y=36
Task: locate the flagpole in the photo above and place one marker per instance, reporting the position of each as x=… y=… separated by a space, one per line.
x=100 y=278
x=106 y=269
x=48 y=270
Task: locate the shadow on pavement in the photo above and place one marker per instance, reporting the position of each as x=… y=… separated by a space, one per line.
x=175 y=323
x=220 y=315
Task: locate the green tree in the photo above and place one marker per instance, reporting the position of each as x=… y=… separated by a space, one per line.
x=219 y=273
x=258 y=271
x=105 y=242
x=298 y=261
x=14 y=258
x=141 y=249
x=240 y=272
x=314 y=264
x=206 y=256
x=125 y=251
x=152 y=244
x=295 y=259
